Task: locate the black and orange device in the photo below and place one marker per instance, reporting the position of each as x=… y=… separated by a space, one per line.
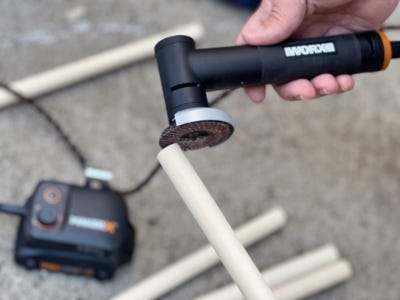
x=186 y=74
x=73 y=229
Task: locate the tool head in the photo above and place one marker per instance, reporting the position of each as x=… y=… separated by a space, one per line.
x=197 y=128
x=193 y=124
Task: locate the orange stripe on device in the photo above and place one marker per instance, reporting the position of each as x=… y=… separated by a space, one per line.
x=49 y=266
x=387 y=47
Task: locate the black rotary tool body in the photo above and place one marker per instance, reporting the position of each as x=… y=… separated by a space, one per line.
x=187 y=73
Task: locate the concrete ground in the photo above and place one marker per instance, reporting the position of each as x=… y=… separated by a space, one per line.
x=332 y=164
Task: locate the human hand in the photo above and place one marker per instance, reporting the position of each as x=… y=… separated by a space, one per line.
x=277 y=20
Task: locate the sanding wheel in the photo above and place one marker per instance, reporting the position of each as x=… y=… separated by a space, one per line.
x=196 y=128
x=196 y=135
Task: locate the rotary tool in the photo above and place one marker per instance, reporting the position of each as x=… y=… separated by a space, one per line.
x=186 y=74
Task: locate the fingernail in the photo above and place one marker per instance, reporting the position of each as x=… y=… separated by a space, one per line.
x=344 y=90
x=257 y=100
x=323 y=92
x=297 y=98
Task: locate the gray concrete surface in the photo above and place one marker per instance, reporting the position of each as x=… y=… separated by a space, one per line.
x=333 y=164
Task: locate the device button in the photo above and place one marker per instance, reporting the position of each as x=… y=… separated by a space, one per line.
x=52 y=195
x=47 y=215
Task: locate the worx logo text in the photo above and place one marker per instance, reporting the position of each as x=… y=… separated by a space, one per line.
x=305 y=50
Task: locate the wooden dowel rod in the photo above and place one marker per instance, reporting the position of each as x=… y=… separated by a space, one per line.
x=71 y=73
x=213 y=224
x=315 y=282
x=282 y=273
x=198 y=262
x=304 y=286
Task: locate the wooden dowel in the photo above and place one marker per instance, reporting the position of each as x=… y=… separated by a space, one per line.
x=282 y=273
x=198 y=262
x=71 y=73
x=315 y=282
x=304 y=286
x=213 y=224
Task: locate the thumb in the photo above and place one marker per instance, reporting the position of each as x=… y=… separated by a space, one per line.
x=273 y=22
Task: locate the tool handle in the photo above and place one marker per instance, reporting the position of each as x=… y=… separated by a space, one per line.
x=230 y=67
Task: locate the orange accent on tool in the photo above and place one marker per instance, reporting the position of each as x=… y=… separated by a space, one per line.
x=52 y=195
x=387 y=46
x=88 y=272
x=49 y=266
x=110 y=227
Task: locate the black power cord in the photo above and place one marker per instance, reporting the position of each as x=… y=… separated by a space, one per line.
x=142 y=184
x=395 y=45
x=390 y=27
x=57 y=127
x=74 y=148
x=395 y=49
x=13 y=210
x=220 y=97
